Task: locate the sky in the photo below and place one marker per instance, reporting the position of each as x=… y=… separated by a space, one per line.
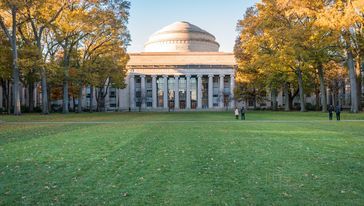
x=218 y=17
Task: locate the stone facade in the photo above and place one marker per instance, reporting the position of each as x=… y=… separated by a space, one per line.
x=181 y=69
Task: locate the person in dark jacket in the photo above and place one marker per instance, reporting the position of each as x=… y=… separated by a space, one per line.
x=242 y=113
x=338 y=111
x=331 y=110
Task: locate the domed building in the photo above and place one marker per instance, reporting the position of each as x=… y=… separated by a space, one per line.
x=180 y=68
x=182 y=37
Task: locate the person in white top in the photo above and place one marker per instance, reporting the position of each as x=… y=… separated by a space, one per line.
x=236 y=113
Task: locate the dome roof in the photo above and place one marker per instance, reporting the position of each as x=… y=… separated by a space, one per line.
x=181 y=37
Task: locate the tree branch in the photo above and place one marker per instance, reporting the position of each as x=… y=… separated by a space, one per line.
x=6 y=31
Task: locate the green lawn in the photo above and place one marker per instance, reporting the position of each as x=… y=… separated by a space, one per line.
x=274 y=158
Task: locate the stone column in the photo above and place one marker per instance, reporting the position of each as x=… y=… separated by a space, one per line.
x=154 y=91
x=176 y=92
x=211 y=91
x=221 y=92
x=143 y=93
x=188 y=91
x=199 y=91
x=165 y=91
x=232 y=88
x=132 y=91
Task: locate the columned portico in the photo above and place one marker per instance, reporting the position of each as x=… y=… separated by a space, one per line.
x=165 y=91
x=188 y=92
x=221 y=91
x=132 y=91
x=176 y=91
x=210 y=92
x=199 y=91
x=154 y=91
x=232 y=88
x=143 y=93
x=181 y=91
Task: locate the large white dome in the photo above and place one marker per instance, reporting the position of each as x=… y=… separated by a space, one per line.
x=181 y=37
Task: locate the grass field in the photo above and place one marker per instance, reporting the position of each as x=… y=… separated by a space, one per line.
x=273 y=158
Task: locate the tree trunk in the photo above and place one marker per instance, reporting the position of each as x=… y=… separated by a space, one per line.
x=73 y=103
x=45 y=109
x=6 y=97
x=322 y=88
x=359 y=80
x=65 y=78
x=343 y=87
x=341 y=92
x=9 y=97
x=286 y=96
x=3 y=88
x=16 y=80
x=254 y=99
x=317 y=96
x=79 y=107
x=274 y=99
x=100 y=98
x=65 y=96
x=91 y=97
x=301 y=90
x=31 y=96
x=353 y=82
x=49 y=98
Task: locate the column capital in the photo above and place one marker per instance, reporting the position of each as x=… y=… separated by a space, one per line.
x=199 y=76
x=142 y=75
x=211 y=75
x=176 y=76
x=165 y=76
x=154 y=76
x=221 y=75
x=188 y=75
x=131 y=76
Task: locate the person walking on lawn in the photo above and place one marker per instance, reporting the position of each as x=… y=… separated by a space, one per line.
x=331 y=110
x=242 y=113
x=236 y=113
x=338 y=111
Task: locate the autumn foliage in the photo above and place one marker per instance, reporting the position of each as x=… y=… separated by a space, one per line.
x=293 y=45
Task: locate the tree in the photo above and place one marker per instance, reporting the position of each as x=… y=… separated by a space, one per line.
x=8 y=24
x=5 y=70
x=101 y=54
x=38 y=15
x=346 y=17
x=285 y=37
x=275 y=41
x=69 y=29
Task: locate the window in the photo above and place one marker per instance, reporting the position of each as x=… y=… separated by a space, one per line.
x=112 y=94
